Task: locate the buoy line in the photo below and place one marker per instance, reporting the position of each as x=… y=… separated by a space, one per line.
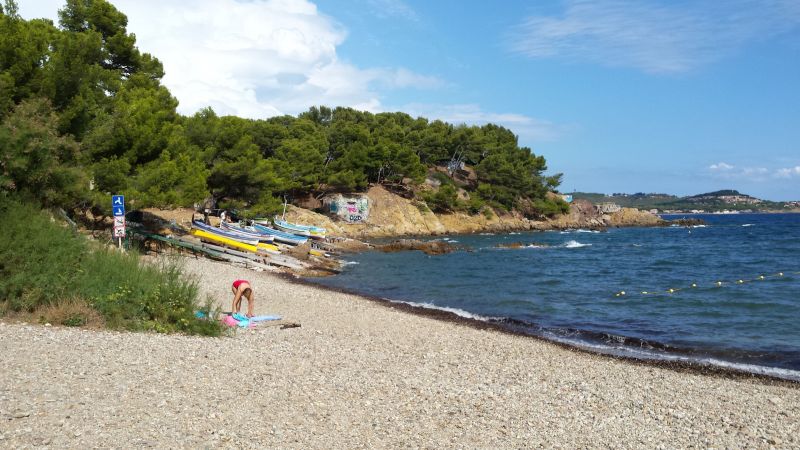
x=695 y=285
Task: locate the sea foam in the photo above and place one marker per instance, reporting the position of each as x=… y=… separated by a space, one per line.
x=575 y=244
x=457 y=311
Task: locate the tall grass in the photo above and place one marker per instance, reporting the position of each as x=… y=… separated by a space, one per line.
x=44 y=264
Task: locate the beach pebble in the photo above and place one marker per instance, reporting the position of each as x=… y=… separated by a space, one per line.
x=367 y=377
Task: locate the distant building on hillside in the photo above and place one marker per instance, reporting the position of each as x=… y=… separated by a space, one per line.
x=746 y=199
x=567 y=198
x=731 y=198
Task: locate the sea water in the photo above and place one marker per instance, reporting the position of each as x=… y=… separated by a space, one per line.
x=724 y=293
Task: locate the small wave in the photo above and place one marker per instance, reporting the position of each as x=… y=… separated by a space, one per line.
x=575 y=244
x=699 y=226
x=748 y=225
x=535 y=246
x=486 y=234
x=351 y=263
x=637 y=245
x=620 y=349
x=456 y=311
x=514 y=232
x=752 y=368
x=586 y=231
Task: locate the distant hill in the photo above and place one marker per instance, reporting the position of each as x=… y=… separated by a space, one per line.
x=727 y=199
x=638 y=200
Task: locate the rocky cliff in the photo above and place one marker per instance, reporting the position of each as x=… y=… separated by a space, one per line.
x=393 y=215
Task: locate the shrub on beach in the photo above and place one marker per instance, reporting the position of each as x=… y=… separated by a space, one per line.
x=48 y=270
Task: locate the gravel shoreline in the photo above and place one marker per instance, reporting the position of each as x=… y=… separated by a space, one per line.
x=357 y=374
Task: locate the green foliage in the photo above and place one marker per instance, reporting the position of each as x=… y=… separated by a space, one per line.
x=35 y=162
x=442 y=178
x=111 y=175
x=43 y=263
x=550 y=207
x=445 y=199
x=171 y=181
x=107 y=95
x=140 y=127
x=24 y=47
x=475 y=204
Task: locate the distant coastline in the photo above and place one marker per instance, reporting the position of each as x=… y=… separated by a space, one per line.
x=729 y=200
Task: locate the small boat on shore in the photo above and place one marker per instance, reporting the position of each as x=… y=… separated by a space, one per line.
x=301 y=230
x=281 y=236
x=218 y=239
x=245 y=231
x=196 y=224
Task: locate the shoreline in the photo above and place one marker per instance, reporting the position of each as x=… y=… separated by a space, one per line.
x=358 y=374
x=692 y=367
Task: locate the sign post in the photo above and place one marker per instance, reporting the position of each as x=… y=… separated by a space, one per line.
x=118 y=207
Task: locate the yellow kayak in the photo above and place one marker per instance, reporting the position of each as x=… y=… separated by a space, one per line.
x=205 y=235
x=268 y=247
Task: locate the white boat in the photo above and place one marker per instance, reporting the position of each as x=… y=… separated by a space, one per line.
x=301 y=230
x=281 y=236
x=248 y=232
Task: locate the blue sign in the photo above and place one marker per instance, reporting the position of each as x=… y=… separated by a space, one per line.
x=118 y=205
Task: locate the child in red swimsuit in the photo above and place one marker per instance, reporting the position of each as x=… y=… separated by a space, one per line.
x=242 y=288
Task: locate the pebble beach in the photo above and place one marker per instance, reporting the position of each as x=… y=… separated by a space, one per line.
x=361 y=374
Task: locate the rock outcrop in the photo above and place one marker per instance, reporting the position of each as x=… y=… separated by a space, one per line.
x=393 y=215
x=428 y=247
x=582 y=214
x=632 y=217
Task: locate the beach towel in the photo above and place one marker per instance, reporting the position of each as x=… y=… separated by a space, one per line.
x=264 y=318
x=238 y=320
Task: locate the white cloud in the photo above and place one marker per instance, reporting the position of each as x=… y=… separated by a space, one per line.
x=261 y=58
x=256 y=58
x=529 y=129
x=788 y=172
x=657 y=37
x=755 y=174
x=721 y=166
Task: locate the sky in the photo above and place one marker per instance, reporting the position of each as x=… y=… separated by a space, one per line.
x=673 y=96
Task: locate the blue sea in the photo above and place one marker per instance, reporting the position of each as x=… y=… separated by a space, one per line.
x=726 y=293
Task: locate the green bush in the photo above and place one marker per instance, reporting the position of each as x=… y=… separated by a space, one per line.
x=550 y=207
x=442 y=178
x=443 y=200
x=475 y=203
x=43 y=263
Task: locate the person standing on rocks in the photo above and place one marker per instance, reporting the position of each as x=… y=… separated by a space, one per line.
x=242 y=288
